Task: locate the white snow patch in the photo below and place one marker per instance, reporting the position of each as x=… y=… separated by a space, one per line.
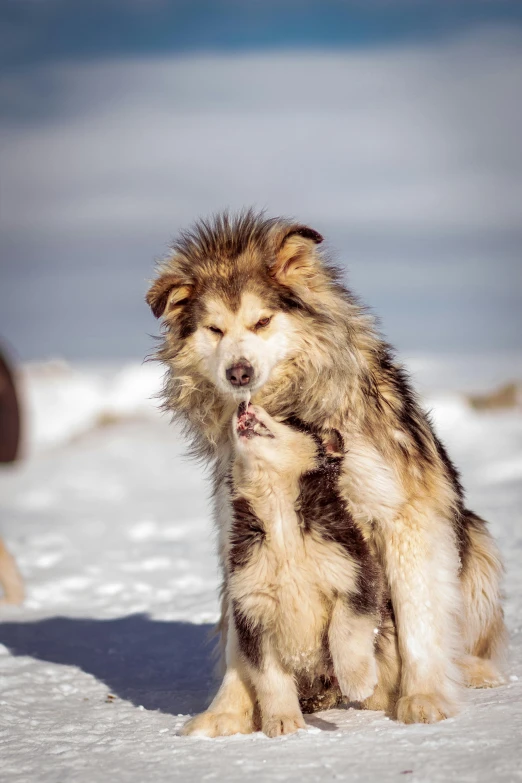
x=63 y=402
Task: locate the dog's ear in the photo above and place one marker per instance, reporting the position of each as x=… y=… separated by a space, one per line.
x=168 y=295
x=296 y=258
x=333 y=443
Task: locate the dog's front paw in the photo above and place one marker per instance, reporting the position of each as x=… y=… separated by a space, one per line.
x=425 y=708
x=277 y=725
x=357 y=681
x=217 y=724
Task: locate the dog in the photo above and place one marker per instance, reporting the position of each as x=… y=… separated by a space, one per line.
x=250 y=305
x=304 y=588
x=10 y=578
x=309 y=607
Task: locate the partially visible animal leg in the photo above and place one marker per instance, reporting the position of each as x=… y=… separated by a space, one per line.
x=386 y=693
x=422 y=570
x=232 y=709
x=277 y=696
x=10 y=578
x=480 y=672
x=484 y=629
x=351 y=638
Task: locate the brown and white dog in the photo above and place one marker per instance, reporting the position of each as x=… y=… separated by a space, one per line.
x=250 y=306
x=304 y=588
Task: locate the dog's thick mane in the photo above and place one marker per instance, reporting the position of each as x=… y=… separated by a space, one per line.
x=223 y=237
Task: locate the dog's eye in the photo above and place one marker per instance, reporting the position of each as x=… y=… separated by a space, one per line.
x=262 y=323
x=215 y=330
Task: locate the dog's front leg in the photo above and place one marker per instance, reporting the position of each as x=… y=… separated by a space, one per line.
x=232 y=709
x=422 y=566
x=276 y=695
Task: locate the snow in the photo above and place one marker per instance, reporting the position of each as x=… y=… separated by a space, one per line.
x=110 y=525
x=63 y=402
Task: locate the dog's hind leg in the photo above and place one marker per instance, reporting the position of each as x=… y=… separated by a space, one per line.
x=388 y=660
x=484 y=630
x=351 y=639
x=480 y=672
x=232 y=709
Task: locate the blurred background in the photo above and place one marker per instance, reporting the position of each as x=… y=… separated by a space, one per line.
x=394 y=128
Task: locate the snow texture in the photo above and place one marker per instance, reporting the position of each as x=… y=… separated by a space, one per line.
x=111 y=528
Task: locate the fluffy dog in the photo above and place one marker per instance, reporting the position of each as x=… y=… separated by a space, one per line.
x=304 y=587
x=250 y=305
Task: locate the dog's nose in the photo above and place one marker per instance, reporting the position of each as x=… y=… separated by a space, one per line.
x=240 y=374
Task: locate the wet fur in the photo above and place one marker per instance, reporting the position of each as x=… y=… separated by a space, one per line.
x=326 y=364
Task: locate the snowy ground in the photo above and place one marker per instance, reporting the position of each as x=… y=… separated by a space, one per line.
x=109 y=655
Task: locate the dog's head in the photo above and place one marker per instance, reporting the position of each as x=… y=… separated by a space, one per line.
x=233 y=295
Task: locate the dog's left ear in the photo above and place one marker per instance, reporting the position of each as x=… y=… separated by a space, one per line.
x=333 y=443
x=296 y=257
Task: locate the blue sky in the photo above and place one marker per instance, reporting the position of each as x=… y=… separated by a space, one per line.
x=36 y=31
x=393 y=128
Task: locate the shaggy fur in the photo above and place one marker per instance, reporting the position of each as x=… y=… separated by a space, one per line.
x=258 y=289
x=305 y=590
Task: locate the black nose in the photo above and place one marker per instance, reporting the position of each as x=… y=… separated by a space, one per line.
x=240 y=374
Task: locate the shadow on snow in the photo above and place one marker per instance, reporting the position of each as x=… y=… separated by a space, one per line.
x=166 y=666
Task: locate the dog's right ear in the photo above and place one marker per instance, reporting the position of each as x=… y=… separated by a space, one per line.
x=168 y=295
x=296 y=261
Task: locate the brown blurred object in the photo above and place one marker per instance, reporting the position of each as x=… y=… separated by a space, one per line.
x=9 y=414
x=10 y=577
x=508 y=396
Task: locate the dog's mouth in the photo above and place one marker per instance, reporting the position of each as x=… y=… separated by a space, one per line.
x=248 y=424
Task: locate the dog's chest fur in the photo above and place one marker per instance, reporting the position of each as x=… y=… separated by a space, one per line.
x=283 y=573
